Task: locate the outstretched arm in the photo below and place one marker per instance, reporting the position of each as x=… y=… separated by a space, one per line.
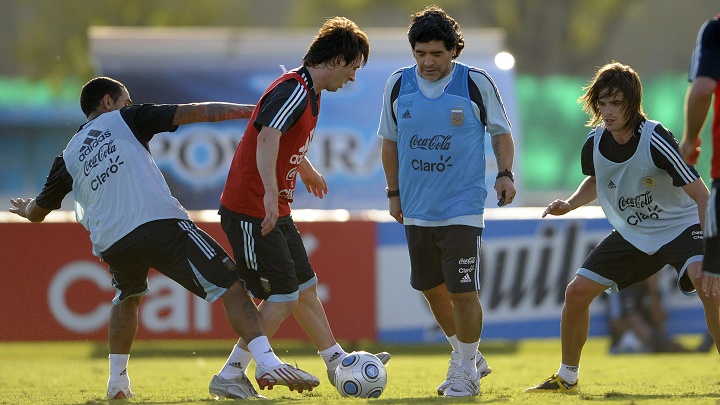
x=28 y=209
x=585 y=193
x=211 y=112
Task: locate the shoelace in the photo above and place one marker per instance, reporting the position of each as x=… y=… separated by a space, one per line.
x=465 y=378
x=452 y=366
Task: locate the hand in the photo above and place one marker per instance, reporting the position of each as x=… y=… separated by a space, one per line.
x=690 y=150
x=395 y=209
x=557 y=207
x=505 y=188
x=20 y=206
x=710 y=283
x=315 y=183
x=270 y=201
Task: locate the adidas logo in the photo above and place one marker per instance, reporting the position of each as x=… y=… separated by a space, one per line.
x=466 y=278
x=92 y=140
x=335 y=356
x=567 y=385
x=611 y=185
x=236 y=364
x=406 y=114
x=92 y=136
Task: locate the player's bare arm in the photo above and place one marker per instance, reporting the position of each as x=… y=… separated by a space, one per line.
x=390 y=162
x=211 y=112
x=314 y=181
x=503 y=147
x=698 y=191
x=268 y=145
x=697 y=103
x=27 y=208
x=585 y=194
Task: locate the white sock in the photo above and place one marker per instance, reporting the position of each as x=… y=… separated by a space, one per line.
x=118 y=370
x=453 y=342
x=263 y=353
x=332 y=356
x=468 y=351
x=569 y=373
x=236 y=363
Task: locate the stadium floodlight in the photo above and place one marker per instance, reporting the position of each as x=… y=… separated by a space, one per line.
x=504 y=60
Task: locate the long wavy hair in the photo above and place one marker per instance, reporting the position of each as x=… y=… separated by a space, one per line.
x=611 y=79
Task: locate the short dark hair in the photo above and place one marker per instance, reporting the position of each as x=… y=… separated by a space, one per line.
x=609 y=80
x=94 y=91
x=338 y=37
x=434 y=24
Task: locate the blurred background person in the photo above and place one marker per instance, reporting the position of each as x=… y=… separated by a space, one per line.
x=637 y=320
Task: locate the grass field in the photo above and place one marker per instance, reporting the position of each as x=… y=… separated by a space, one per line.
x=178 y=372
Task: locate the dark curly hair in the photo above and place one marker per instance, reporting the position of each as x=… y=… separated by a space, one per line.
x=433 y=24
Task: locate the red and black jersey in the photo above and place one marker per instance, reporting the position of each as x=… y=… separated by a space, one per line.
x=289 y=105
x=706 y=62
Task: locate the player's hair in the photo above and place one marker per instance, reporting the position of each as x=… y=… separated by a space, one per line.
x=93 y=92
x=611 y=79
x=338 y=37
x=433 y=24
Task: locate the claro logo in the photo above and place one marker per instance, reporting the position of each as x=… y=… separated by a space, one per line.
x=166 y=307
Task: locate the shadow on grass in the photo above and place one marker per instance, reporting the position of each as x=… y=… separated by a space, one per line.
x=222 y=348
x=622 y=396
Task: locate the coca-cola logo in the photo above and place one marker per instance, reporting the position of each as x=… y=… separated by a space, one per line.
x=639 y=201
x=101 y=154
x=437 y=142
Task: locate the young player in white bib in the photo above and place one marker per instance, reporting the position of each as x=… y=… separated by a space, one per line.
x=653 y=199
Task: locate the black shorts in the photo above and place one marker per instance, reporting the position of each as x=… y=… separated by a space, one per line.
x=181 y=251
x=275 y=267
x=447 y=255
x=711 y=264
x=616 y=263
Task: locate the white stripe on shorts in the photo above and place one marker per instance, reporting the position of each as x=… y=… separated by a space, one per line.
x=478 y=249
x=711 y=224
x=204 y=246
x=249 y=245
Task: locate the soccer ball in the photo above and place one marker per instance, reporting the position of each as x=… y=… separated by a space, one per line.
x=360 y=374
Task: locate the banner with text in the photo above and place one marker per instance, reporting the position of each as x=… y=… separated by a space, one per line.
x=60 y=291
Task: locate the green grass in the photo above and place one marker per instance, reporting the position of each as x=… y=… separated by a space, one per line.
x=178 y=372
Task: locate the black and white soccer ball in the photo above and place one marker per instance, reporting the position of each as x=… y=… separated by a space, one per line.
x=360 y=374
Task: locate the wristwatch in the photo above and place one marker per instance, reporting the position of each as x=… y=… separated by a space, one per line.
x=392 y=193
x=506 y=173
